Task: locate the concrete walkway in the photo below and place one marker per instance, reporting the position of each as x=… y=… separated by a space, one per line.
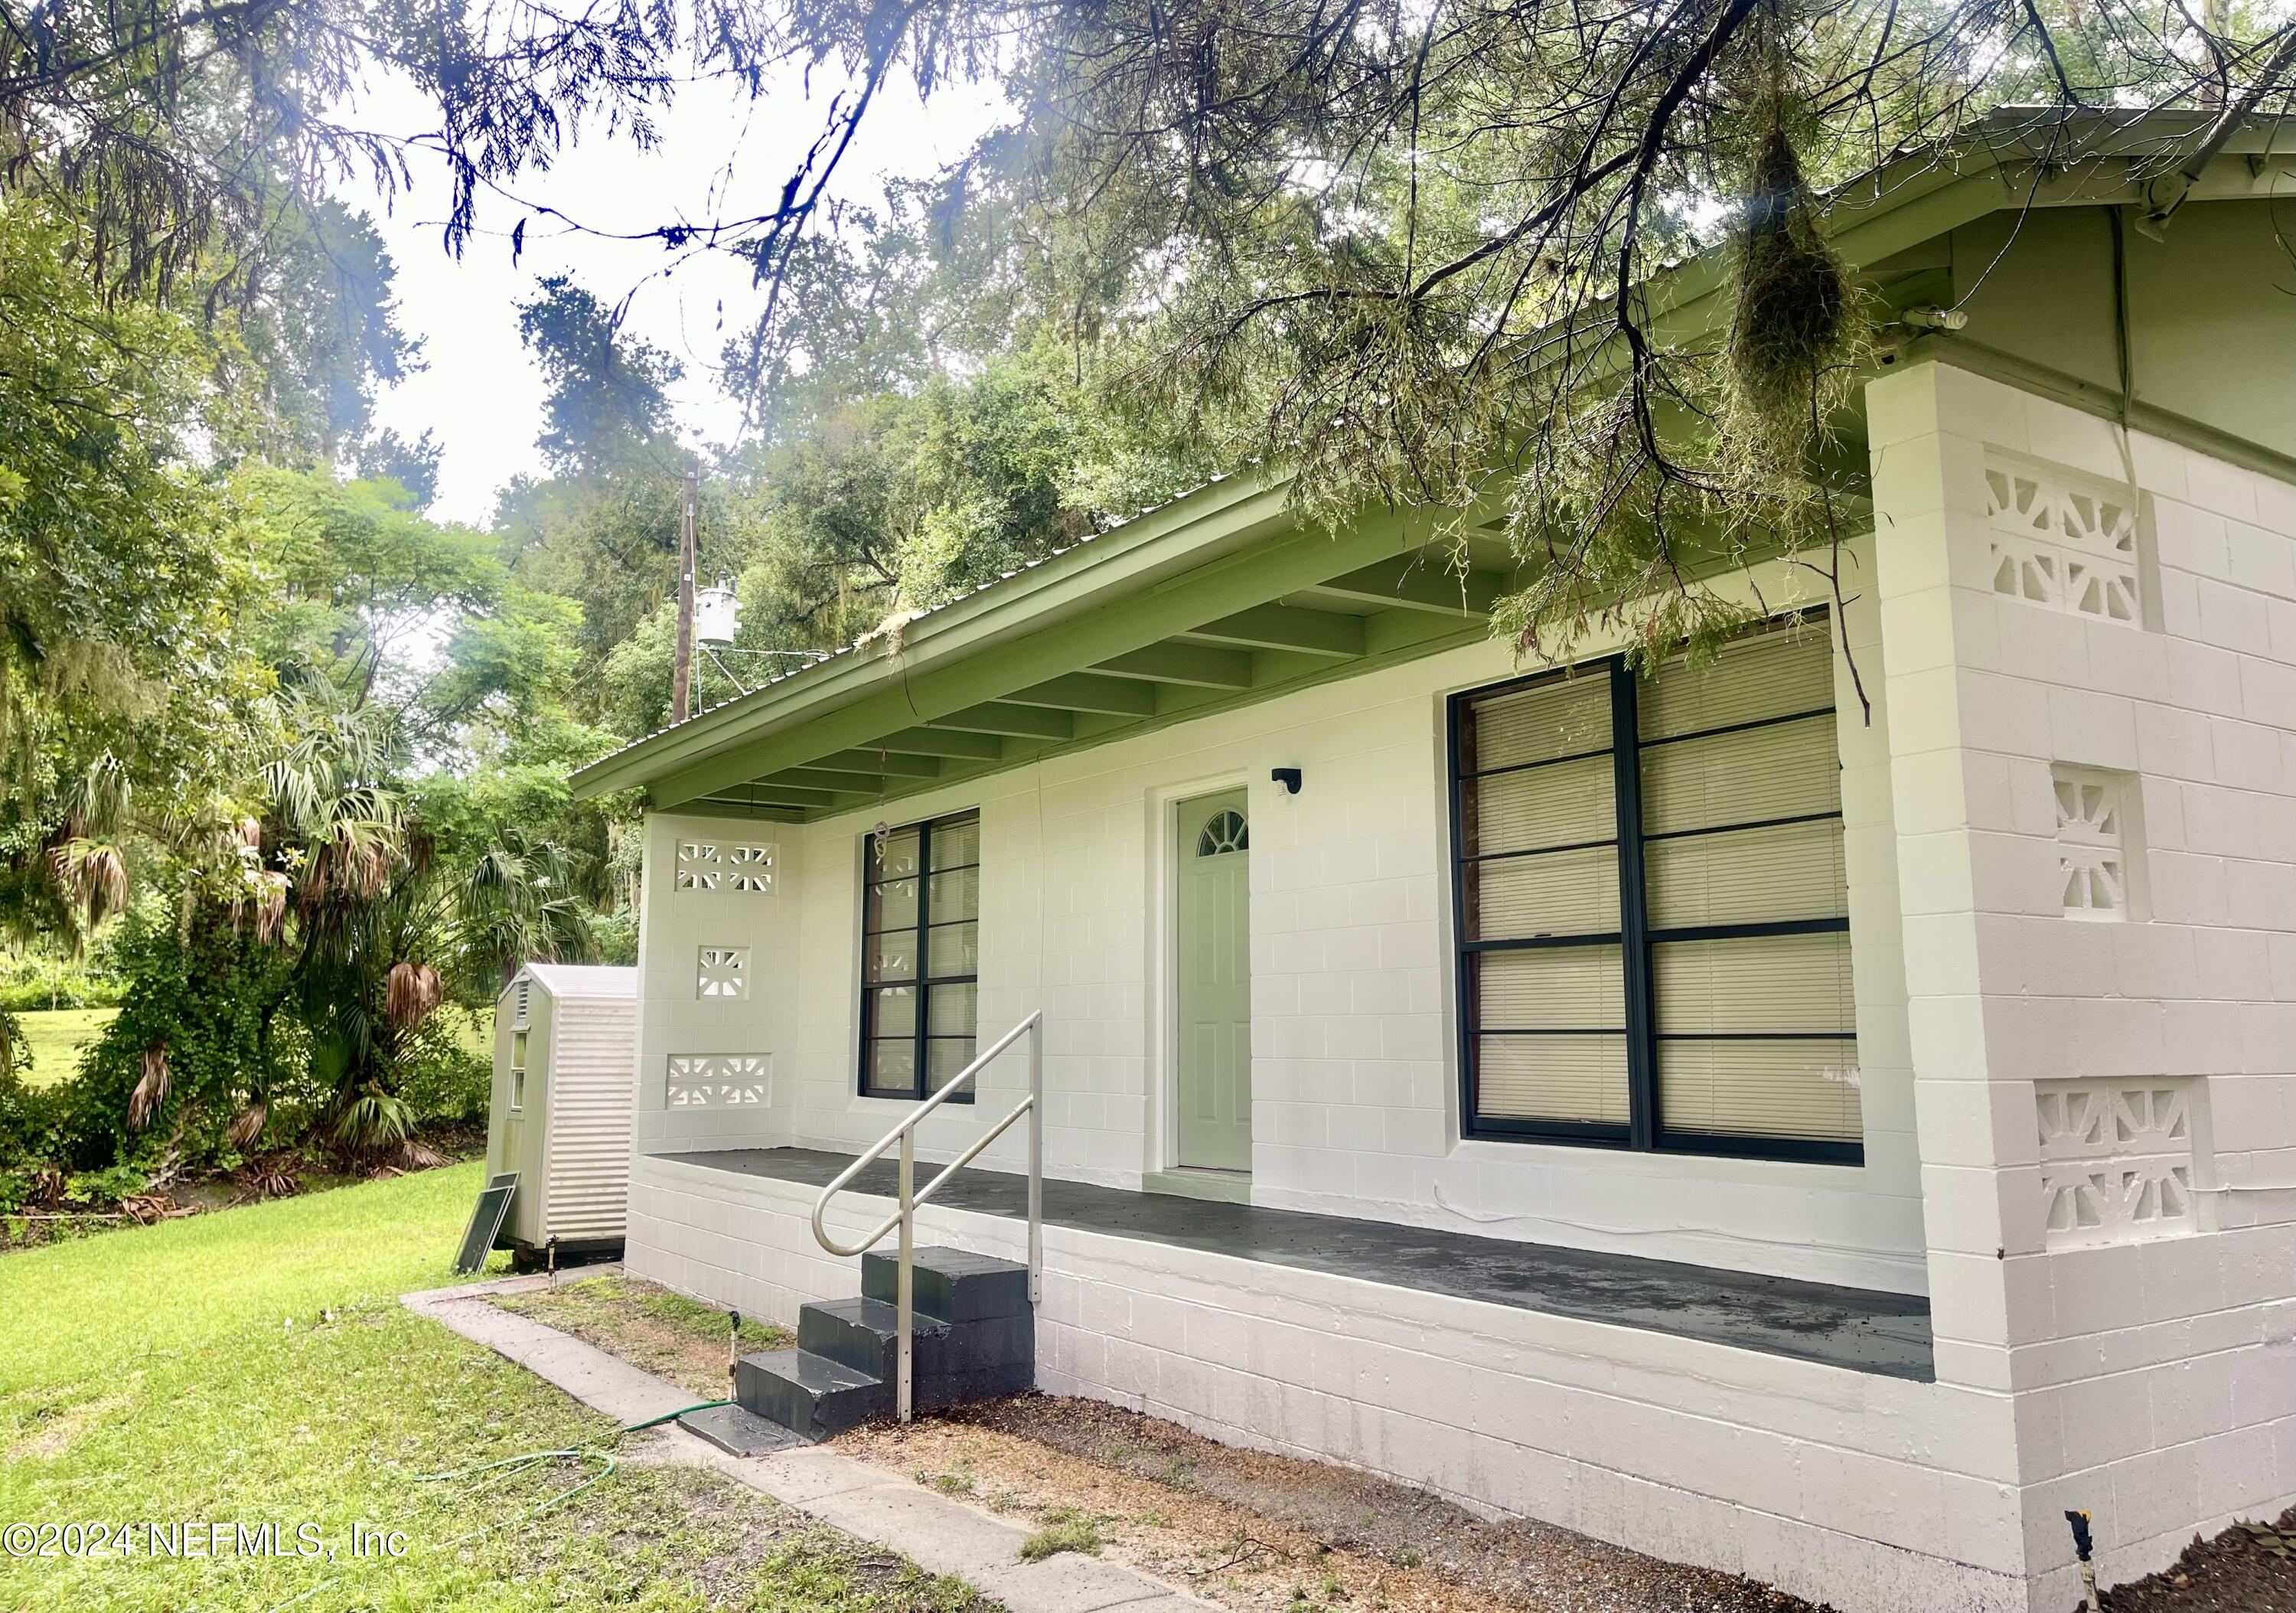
x=939 y=1533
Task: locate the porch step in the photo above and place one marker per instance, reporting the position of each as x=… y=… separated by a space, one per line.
x=953 y=1285
x=973 y=1338
x=810 y=1395
x=864 y=1334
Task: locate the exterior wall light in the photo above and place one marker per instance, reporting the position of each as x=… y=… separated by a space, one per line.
x=1935 y=319
x=1289 y=778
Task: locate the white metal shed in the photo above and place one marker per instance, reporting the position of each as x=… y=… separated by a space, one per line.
x=565 y=1069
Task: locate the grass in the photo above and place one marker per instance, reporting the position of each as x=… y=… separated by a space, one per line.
x=58 y=1037
x=1062 y=1530
x=475 y=1032
x=255 y=1366
x=648 y=1326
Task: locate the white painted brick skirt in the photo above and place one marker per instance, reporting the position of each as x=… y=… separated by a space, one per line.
x=1874 y=1494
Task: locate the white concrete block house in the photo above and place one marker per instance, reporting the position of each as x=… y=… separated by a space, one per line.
x=1825 y=1149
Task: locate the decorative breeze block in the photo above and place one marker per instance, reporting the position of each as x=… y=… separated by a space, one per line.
x=2116 y=1160
x=2093 y=842
x=723 y=972
x=718 y=1081
x=2065 y=547
x=753 y=867
x=698 y=865
x=706 y=864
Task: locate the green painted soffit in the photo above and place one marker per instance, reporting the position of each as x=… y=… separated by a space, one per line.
x=1076 y=607
x=903 y=712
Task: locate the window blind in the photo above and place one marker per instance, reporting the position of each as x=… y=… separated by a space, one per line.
x=1542 y=859
x=1652 y=904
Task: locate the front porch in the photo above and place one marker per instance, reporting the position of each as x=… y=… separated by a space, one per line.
x=1788 y=1430
x=1861 y=1330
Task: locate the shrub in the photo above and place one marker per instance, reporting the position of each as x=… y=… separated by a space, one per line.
x=28 y=1126
x=614 y=936
x=448 y=1078
x=30 y=984
x=208 y=1002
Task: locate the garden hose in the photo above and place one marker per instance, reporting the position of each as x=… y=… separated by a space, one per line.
x=671 y=1416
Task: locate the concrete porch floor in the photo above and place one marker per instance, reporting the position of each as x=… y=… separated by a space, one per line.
x=1861 y=1330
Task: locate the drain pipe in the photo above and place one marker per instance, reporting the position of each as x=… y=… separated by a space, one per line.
x=733 y=1349
x=2083 y=1548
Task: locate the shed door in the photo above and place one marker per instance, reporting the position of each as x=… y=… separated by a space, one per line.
x=1213 y=857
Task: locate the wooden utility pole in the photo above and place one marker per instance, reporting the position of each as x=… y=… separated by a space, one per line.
x=681 y=678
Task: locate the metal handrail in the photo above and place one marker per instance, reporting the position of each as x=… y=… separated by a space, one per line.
x=904 y=1216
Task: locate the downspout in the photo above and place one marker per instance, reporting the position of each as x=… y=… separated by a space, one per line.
x=2125 y=353
x=2124 y=349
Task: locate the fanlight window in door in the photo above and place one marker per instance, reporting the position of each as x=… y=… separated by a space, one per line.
x=1225 y=832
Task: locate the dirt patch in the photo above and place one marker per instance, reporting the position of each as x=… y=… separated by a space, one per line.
x=52 y=1432
x=2249 y=1569
x=648 y=1326
x=1253 y=1532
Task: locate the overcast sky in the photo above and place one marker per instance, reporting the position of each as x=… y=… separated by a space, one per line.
x=478 y=392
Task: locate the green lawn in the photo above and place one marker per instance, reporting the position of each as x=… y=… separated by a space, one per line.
x=57 y=1038
x=255 y=1366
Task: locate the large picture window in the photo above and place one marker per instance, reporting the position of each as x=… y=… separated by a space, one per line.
x=920 y=956
x=1651 y=905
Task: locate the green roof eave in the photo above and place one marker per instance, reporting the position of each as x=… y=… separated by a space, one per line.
x=1173 y=541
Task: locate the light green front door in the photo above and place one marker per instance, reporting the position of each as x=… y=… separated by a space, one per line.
x=1214 y=969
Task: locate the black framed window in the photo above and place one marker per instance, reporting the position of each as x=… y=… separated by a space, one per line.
x=1651 y=906
x=920 y=956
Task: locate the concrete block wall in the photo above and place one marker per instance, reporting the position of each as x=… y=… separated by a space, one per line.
x=674 y=1020
x=1354 y=1095
x=1871 y=1494
x=2147 y=1351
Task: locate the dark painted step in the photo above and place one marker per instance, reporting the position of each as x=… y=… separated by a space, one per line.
x=809 y=1395
x=863 y=1334
x=953 y=1285
x=973 y=1338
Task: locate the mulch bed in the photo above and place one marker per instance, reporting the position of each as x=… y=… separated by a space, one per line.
x=2249 y=1569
